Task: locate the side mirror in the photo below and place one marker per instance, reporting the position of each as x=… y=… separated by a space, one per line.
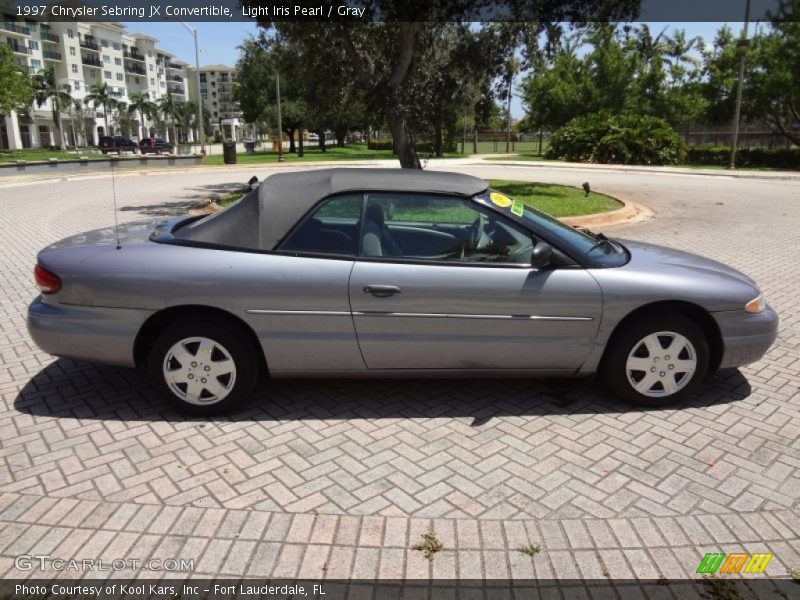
x=541 y=255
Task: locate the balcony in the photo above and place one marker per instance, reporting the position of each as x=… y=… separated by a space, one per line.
x=133 y=55
x=14 y=28
x=177 y=78
x=135 y=69
x=48 y=55
x=90 y=45
x=174 y=66
x=50 y=37
x=176 y=89
x=91 y=61
x=17 y=49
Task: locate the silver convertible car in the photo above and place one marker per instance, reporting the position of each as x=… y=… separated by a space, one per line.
x=390 y=273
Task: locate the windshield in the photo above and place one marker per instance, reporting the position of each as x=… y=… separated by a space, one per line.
x=593 y=248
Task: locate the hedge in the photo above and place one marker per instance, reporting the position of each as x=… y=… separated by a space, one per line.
x=628 y=139
x=778 y=158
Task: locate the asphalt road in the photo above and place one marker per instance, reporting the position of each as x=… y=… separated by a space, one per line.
x=347 y=475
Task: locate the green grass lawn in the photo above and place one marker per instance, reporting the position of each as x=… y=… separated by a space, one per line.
x=313 y=153
x=36 y=154
x=556 y=200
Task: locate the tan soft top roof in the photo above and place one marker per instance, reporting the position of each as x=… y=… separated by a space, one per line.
x=262 y=219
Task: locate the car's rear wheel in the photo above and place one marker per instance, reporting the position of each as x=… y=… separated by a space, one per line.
x=657 y=361
x=203 y=366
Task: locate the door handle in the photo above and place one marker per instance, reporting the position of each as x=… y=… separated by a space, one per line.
x=381 y=290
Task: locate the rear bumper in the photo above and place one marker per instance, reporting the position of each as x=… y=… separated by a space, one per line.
x=745 y=337
x=95 y=334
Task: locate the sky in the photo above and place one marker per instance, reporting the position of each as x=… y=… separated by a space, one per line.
x=219 y=41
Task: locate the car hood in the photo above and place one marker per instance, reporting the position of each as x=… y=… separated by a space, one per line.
x=656 y=273
x=650 y=256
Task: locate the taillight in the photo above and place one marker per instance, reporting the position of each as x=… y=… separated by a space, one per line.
x=47 y=282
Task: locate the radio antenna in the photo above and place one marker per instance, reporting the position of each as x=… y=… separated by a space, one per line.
x=114 y=198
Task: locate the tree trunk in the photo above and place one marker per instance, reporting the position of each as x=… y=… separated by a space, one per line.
x=437 y=141
x=300 y=142
x=144 y=131
x=340 y=138
x=323 y=147
x=59 y=129
x=403 y=144
x=290 y=133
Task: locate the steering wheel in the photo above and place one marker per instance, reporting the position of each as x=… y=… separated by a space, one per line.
x=478 y=231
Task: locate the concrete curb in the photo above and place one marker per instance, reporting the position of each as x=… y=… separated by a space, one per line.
x=768 y=175
x=631 y=212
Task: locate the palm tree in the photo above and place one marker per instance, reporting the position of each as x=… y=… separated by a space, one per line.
x=679 y=47
x=652 y=49
x=190 y=119
x=100 y=94
x=85 y=113
x=141 y=104
x=47 y=88
x=124 y=121
x=171 y=111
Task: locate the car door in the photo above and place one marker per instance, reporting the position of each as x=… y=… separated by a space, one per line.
x=306 y=326
x=444 y=283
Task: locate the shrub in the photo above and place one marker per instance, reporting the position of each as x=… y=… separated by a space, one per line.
x=779 y=158
x=626 y=139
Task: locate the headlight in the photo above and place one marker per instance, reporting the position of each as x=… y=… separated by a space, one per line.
x=756 y=305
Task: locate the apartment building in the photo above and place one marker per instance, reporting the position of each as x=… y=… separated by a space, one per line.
x=216 y=90
x=81 y=55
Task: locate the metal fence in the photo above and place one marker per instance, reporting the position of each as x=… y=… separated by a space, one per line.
x=482 y=143
x=749 y=137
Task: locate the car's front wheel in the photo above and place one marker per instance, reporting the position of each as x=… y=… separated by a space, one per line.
x=657 y=361
x=203 y=366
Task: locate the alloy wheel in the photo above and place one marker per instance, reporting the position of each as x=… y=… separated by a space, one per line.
x=199 y=370
x=661 y=364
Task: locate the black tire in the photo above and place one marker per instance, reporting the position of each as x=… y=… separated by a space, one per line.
x=228 y=336
x=628 y=340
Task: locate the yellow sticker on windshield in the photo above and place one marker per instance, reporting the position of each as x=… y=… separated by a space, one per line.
x=500 y=200
x=517 y=208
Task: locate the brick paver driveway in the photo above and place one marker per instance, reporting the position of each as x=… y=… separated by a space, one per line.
x=341 y=478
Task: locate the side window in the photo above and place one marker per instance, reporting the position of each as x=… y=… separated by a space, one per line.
x=440 y=228
x=331 y=228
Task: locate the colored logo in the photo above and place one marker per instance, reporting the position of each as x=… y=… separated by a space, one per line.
x=736 y=562
x=500 y=200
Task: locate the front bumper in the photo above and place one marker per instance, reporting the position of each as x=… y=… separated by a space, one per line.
x=745 y=337
x=95 y=334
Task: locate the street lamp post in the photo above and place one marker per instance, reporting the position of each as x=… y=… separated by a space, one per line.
x=200 y=127
x=742 y=46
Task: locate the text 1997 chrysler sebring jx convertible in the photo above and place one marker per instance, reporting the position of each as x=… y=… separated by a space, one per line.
x=386 y=273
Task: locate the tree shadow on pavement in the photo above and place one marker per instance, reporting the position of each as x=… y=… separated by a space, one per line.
x=165 y=209
x=195 y=197
x=83 y=390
